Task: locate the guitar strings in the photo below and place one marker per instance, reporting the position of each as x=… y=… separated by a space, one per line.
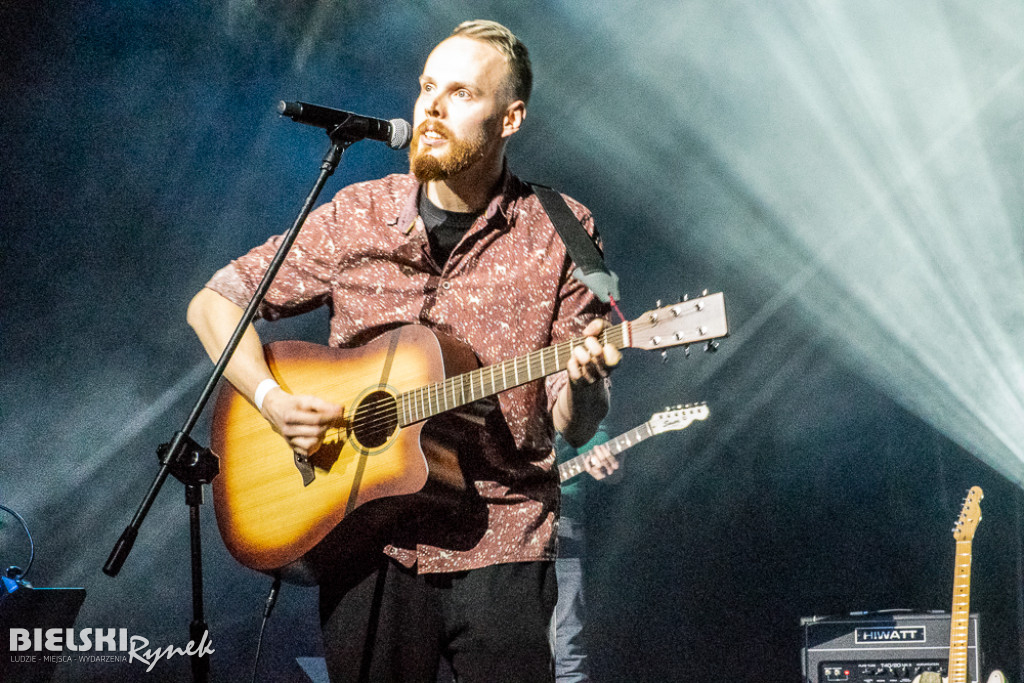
x=376 y=414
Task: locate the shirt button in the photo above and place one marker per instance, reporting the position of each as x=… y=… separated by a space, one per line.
x=446 y=285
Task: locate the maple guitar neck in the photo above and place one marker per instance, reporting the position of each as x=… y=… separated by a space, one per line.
x=670 y=419
x=570 y=468
x=959 y=623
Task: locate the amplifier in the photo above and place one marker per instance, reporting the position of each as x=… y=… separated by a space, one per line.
x=891 y=646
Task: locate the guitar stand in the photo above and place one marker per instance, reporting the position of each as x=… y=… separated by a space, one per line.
x=183 y=457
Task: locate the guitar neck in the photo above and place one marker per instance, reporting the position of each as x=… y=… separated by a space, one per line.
x=570 y=468
x=434 y=399
x=959 y=625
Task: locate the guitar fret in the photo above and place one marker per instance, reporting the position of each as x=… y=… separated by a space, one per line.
x=425 y=402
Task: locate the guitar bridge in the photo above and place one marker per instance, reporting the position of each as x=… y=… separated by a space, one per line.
x=305 y=468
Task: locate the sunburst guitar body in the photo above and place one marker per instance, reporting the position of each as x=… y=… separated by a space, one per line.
x=267 y=514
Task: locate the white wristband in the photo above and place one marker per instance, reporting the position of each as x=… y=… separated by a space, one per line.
x=261 y=392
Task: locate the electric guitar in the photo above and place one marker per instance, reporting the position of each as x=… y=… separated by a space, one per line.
x=667 y=420
x=959 y=623
x=273 y=506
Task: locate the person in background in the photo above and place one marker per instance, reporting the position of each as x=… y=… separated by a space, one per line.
x=569 y=623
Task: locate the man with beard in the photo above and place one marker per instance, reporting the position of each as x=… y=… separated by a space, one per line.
x=463 y=247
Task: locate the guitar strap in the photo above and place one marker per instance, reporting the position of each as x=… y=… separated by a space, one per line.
x=583 y=250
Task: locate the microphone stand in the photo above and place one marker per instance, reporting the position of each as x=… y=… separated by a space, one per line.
x=193 y=465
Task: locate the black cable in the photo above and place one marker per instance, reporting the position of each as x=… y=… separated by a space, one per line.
x=13 y=572
x=275 y=589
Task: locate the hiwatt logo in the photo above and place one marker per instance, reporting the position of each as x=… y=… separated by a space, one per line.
x=94 y=645
x=890 y=634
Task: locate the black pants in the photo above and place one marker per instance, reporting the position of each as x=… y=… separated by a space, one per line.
x=393 y=625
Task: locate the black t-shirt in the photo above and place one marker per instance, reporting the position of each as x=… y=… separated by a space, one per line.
x=444 y=228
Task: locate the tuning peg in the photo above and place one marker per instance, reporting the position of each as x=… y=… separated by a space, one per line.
x=704 y=293
x=711 y=346
x=686 y=350
x=684 y=297
x=664 y=356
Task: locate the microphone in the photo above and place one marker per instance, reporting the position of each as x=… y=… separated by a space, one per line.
x=396 y=133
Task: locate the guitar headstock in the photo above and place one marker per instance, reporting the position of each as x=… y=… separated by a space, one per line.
x=970 y=515
x=679 y=417
x=689 y=321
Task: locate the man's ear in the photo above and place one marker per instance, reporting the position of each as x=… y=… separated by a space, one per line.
x=513 y=119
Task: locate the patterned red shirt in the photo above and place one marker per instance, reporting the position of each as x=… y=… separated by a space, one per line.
x=506 y=290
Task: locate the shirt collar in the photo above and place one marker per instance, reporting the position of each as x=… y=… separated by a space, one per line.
x=510 y=189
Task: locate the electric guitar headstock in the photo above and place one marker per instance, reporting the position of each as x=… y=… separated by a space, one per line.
x=970 y=515
x=679 y=417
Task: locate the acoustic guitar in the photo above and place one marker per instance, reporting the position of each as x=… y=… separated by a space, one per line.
x=680 y=417
x=273 y=506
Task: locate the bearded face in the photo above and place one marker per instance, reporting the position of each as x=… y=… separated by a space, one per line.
x=445 y=155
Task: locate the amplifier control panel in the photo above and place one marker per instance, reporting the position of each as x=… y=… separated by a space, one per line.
x=880 y=671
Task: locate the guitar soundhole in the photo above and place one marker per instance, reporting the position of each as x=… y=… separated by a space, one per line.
x=376 y=419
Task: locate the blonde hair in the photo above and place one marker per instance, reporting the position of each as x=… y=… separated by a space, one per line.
x=518 y=57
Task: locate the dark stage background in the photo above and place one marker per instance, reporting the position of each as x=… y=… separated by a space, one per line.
x=848 y=173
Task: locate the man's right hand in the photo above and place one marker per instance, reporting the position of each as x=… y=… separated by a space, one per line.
x=302 y=420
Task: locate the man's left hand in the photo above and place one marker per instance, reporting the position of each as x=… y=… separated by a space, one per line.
x=591 y=361
x=600 y=463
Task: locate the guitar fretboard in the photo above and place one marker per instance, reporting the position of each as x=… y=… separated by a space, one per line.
x=570 y=468
x=434 y=399
x=959 y=623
